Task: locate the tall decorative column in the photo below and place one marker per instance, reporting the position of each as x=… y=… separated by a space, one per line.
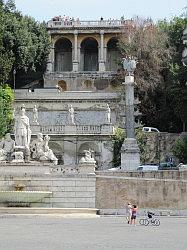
x=75 y=56
x=184 y=106
x=130 y=153
x=101 y=54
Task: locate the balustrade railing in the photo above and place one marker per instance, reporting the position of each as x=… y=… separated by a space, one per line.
x=52 y=129
x=76 y=129
x=87 y=74
x=88 y=129
x=58 y=22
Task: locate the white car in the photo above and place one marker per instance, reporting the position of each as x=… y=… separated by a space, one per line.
x=147 y=168
x=150 y=129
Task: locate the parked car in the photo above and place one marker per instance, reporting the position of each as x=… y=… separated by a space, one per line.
x=167 y=166
x=148 y=168
x=182 y=166
x=150 y=129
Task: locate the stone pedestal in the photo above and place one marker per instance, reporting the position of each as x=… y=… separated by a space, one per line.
x=87 y=168
x=70 y=129
x=107 y=128
x=101 y=66
x=35 y=128
x=130 y=154
x=75 y=66
x=19 y=158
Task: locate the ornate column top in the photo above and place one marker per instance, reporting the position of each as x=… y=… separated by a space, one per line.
x=129 y=64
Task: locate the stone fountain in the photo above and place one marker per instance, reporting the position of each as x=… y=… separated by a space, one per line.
x=31 y=176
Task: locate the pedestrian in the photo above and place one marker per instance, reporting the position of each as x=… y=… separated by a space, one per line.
x=134 y=213
x=128 y=212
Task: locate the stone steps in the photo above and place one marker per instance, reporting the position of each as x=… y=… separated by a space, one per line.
x=23 y=210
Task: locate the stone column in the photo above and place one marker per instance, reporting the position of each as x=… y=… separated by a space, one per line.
x=51 y=60
x=101 y=59
x=130 y=153
x=129 y=106
x=105 y=56
x=75 y=56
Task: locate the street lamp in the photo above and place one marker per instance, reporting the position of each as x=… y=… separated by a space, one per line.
x=14 y=79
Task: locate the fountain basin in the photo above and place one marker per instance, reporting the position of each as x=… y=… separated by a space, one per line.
x=23 y=196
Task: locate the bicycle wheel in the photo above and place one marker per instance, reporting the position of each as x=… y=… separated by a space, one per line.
x=141 y=222
x=156 y=222
x=146 y=222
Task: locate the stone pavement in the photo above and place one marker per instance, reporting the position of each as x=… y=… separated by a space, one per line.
x=58 y=232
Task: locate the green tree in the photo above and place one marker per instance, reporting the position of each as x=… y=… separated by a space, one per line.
x=6 y=100
x=118 y=139
x=175 y=85
x=180 y=150
x=25 y=44
x=160 y=76
x=144 y=41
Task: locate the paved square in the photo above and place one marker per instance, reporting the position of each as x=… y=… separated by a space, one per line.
x=56 y=232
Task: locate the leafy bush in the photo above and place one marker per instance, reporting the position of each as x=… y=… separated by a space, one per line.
x=6 y=99
x=180 y=150
x=118 y=139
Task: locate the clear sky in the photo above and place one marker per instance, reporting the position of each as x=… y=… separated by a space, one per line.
x=94 y=9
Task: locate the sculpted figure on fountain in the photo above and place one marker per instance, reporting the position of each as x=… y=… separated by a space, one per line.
x=22 y=129
x=7 y=146
x=88 y=157
x=41 y=151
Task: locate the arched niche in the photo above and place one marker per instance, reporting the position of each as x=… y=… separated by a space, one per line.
x=63 y=55
x=113 y=55
x=62 y=85
x=87 y=84
x=89 y=54
x=58 y=151
x=92 y=146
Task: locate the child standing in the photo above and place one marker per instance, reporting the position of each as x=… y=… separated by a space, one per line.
x=134 y=213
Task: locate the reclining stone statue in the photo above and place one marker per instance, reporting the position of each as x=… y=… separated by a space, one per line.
x=41 y=151
x=88 y=157
x=7 y=146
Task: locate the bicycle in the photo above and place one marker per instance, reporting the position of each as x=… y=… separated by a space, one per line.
x=150 y=220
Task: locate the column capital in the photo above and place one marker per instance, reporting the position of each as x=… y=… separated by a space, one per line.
x=75 y=32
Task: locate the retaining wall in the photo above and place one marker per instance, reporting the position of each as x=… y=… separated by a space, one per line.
x=162 y=189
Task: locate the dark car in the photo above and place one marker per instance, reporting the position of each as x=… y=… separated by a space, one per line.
x=167 y=166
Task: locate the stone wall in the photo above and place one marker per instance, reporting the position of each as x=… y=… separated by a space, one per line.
x=72 y=187
x=158 y=146
x=160 y=190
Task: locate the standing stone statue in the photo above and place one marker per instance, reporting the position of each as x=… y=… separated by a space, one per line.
x=71 y=115
x=35 y=115
x=108 y=114
x=7 y=146
x=22 y=129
